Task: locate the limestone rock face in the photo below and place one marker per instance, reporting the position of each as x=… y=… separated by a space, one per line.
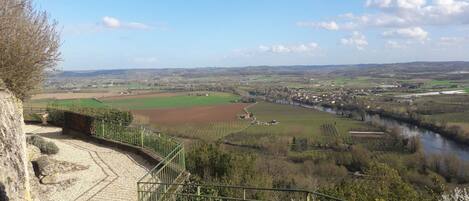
x=33 y=152
x=14 y=176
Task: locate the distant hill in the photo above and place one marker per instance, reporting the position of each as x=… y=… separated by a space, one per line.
x=346 y=70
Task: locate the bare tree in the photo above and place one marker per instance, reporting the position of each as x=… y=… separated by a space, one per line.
x=29 y=44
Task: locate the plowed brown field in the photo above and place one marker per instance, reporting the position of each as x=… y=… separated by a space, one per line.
x=203 y=114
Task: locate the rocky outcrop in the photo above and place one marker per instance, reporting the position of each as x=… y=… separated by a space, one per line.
x=53 y=171
x=14 y=176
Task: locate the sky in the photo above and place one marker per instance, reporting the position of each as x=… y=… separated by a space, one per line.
x=118 y=34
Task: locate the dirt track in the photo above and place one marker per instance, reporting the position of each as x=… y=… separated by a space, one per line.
x=201 y=114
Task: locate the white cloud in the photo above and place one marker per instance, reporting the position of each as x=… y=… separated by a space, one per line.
x=394 y=45
x=137 y=25
x=332 y=25
x=401 y=13
x=416 y=33
x=378 y=3
x=111 y=22
x=300 y=48
x=114 y=23
x=356 y=39
x=411 y=4
x=406 y=4
x=451 y=40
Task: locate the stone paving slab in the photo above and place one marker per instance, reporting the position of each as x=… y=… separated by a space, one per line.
x=112 y=174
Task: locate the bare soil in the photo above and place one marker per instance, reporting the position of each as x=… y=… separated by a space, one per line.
x=202 y=114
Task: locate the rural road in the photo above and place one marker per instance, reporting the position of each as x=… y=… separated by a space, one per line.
x=112 y=174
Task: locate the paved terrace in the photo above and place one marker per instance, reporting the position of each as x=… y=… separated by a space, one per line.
x=112 y=174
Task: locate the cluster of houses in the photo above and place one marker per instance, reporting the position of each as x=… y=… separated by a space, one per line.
x=250 y=116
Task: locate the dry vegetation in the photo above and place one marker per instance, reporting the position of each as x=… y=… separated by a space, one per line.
x=29 y=44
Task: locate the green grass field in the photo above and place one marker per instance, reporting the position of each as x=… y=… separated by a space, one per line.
x=433 y=83
x=357 y=82
x=172 y=102
x=295 y=122
x=144 y=103
x=88 y=102
x=467 y=90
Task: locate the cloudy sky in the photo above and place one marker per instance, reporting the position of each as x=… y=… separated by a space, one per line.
x=113 y=34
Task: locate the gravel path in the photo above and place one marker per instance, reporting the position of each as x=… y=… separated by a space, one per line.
x=112 y=174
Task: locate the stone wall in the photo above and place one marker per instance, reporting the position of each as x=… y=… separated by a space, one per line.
x=14 y=176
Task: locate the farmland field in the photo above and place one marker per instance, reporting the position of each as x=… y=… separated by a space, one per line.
x=143 y=101
x=296 y=122
x=187 y=115
x=86 y=102
x=178 y=101
x=64 y=96
x=201 y=114
x=206 y=131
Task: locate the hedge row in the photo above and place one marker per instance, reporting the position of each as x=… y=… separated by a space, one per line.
x=124 y=118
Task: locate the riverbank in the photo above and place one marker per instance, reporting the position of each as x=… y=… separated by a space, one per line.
x=454 y=133
x=433 y=141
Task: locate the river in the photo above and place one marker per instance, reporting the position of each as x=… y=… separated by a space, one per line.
x=432 y=142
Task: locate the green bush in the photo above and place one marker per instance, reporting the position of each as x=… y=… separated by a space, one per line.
x=382 y=183
x=111 y=115
x=56 y=117
x=43 y=145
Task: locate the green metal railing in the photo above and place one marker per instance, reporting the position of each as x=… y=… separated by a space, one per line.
x=170 y=169
x=139 y=136
x=195 y=192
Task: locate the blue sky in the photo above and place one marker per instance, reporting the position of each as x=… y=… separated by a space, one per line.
x=113 y=34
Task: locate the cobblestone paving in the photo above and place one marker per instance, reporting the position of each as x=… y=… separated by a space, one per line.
x=112 y=174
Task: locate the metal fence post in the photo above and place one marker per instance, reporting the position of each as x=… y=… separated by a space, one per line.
x=183 y=153
x=102 y=127
x=244 y=194
x=141 y=136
